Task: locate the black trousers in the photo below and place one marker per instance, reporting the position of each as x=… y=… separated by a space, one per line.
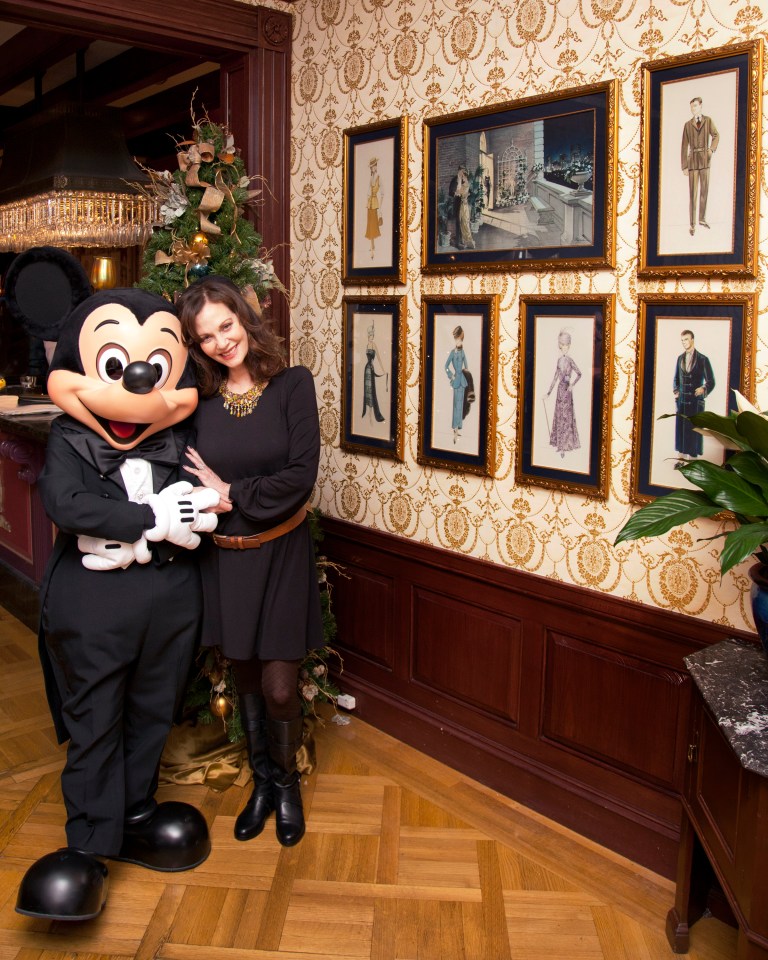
x=120 y=642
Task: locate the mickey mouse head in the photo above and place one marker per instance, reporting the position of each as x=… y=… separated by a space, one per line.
x=120 y=366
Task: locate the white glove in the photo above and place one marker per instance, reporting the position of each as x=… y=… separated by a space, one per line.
x=112 y=554
x=177 y=514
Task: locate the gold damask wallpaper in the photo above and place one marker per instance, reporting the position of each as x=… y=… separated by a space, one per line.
x=359 y=61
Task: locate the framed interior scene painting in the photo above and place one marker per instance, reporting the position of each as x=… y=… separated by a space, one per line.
x=564 y=392
x=373 y=358
x=523 y=185
x=458 y=382
x=700 y=162
x=694 y=350
x=374 y=202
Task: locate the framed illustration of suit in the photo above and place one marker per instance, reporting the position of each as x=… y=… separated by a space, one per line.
x=693 y=351
x=700 y=169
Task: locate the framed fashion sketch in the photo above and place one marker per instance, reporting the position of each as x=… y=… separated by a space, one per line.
x=372 y=391
x=564 y=392
x=373 y=208
x=458 y=382
x=693 y=351
x=523 y=185
x=701 y=173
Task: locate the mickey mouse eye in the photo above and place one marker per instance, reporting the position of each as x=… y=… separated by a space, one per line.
x=110 y=362
x=161 y=361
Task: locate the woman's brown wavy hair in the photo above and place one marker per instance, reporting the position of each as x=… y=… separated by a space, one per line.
x=265 y=357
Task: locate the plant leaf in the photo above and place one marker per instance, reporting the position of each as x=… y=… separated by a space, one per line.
x=667 y=512
x=720 y=427
x=751 y=467
x=725 y=488
x=754 y=428
x=742 y=543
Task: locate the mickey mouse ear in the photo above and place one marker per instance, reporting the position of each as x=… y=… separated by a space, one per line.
x=43 y=285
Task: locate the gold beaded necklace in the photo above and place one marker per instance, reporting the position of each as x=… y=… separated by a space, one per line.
x=241 y=404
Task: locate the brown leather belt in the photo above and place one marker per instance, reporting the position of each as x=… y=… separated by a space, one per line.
x=255 y=540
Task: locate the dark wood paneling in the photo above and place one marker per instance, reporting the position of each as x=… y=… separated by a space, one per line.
x=256 y=87
x=596 y=703
x=363 y=602
x=448 y=631
x=216 y=27
x=570 y=701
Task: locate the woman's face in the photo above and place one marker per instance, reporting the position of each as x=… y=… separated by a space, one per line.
x=221 y=335
x=459 y=341
x=564 y=345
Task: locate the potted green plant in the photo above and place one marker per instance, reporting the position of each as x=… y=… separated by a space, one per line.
x=739 y=485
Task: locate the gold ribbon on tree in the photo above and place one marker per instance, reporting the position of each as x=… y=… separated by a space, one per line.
x=185 y=254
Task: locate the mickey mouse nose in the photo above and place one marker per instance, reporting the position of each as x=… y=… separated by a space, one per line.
x=139 y=377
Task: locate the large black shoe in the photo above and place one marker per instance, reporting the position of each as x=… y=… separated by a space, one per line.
x=169 y=836
x=251 y=819
x=284 y=738
x=68 y=884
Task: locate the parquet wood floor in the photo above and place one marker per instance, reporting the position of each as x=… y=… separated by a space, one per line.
x=404 y=859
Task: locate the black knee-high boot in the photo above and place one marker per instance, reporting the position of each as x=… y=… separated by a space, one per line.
x=250 y=822
x=284 y=738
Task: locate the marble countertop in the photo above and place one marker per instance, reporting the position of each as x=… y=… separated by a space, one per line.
x=732 y=677
x=32 y=425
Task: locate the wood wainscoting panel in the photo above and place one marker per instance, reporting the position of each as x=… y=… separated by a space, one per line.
x=467 y=652
x=567 y=700
x=363 y=603
x=597 y=703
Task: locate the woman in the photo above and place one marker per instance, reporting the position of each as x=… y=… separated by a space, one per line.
x=466 y=240
x=373 y=220
x=455 y=367
x=370 y=400
x=258 y=446
x=564 y=435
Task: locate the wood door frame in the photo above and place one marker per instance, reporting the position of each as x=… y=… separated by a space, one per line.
x=252 y=45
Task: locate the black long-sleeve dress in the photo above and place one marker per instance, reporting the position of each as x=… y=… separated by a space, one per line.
x=263 y=602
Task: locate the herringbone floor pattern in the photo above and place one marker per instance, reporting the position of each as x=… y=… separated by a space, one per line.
x=404 y=859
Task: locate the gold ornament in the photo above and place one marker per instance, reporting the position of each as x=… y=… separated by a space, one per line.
x=220 y=706
x=241 y=404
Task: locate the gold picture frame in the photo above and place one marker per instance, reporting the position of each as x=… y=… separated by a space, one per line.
x=563 y=430
x=457 y=408
x=701 y=119
x=375 y=191
x=528 y=185
x=373 y=385
x=720 y=328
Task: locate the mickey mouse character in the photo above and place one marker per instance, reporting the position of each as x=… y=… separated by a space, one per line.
x=120 y=598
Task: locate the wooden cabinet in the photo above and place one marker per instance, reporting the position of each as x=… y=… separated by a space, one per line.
x=725 y=803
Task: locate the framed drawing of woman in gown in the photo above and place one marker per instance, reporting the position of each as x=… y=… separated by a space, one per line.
x=373 y=362
x=458 y=387
x=564 y=383
x=373 y=224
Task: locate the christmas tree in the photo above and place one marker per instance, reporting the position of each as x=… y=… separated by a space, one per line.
x=202 y=227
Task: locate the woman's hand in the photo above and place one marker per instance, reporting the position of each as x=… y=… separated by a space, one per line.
x=208 y=478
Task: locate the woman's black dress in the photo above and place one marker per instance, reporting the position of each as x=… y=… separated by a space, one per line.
x=263 y=602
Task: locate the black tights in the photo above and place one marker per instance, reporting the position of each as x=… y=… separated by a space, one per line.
x=275 y=680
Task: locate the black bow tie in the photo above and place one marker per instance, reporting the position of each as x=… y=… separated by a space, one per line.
x=159 y=448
